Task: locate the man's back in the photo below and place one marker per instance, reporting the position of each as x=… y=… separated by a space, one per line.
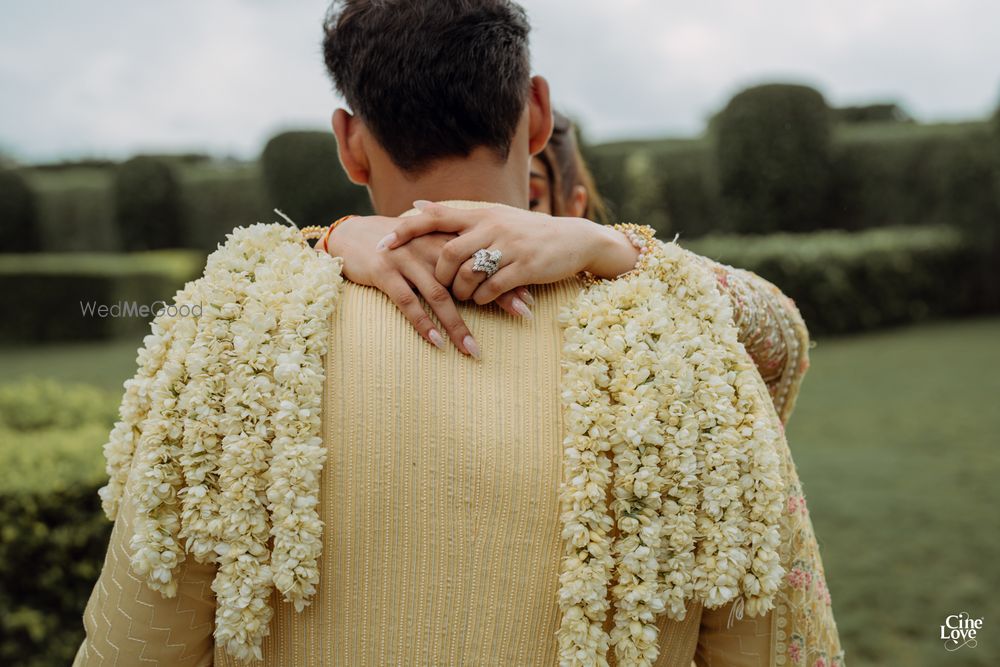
x=440 y=493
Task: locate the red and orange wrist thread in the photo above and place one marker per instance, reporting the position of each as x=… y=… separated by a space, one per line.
x=322 y=233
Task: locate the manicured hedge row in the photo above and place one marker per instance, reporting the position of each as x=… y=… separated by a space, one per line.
x=304 y=179
x=19 y=229
x=160 y=202
x=53 y=534
x=881 y=174
x=924 y=178
x=216 y=198
x=845 y=282
x=43 y=296
x=669 y=185
x=772 y=149
x=864 y=175
x=147 y=196
x=76 y=210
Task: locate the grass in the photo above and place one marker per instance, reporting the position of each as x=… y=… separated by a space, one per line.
x=103 y=364
x=895 y=437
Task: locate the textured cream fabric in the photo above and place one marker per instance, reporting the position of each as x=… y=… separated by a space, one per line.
x=440 y=502
x=128 y=623
x=439 y=494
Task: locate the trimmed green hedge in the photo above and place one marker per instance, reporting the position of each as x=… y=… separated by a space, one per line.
x=846 y=282
x=881 y=175
x=669 y=185
x=148 y=204
x=917 y=178
x=77 y=204
x=42 y=296
x=304 y=179
x=53 y=534
x=772 y=147
x=19 y=229
x=76 y=208
x=219 y=197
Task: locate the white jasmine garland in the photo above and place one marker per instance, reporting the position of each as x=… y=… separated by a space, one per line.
x=697 y=487
x=135 y=405
x=221 y=430
x=587 y=558
x=156 y=546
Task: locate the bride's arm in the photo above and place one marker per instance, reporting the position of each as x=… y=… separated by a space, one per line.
x=409 y=271
x=539 y=248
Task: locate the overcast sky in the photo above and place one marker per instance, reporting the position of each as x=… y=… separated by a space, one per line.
x=113 y=77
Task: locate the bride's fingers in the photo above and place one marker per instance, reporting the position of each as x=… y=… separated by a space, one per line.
x=401 y=294
x=457 y=252
x=466 y=281
x=439 y=299
x=506 y=279
x=515 y=302
x=433 y=218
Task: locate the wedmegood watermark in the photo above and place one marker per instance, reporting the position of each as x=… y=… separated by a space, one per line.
x=124 y=309
x=960 y=630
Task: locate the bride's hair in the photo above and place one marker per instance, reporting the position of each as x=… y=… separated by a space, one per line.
x=431 y=78
x=567 y=169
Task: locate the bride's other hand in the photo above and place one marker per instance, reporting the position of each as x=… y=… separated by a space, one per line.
x=403 y=273
x=536 y=248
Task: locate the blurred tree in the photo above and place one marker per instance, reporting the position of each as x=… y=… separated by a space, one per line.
x=19 y=227
x=148 y=204
x=305 y=180
x=773 y=158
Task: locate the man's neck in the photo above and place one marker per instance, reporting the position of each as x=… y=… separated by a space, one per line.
x=480 y=177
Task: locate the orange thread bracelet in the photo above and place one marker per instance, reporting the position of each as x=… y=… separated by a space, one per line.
x=332 y=227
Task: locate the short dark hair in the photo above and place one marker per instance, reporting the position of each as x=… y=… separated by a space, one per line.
x=431 y=78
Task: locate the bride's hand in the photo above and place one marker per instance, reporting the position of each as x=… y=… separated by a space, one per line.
x=536 y=248
x=408 y=270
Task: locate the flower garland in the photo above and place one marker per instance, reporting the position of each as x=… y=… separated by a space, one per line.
x=219 y=431
x=653 y=371
x=134 y=407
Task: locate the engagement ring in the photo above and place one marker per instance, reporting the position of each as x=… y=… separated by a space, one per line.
x=487 y=261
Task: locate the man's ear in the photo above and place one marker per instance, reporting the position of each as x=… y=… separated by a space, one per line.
x=350 y=146
x=540 y=109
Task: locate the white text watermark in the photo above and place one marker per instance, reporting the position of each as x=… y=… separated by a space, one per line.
x=124 y=309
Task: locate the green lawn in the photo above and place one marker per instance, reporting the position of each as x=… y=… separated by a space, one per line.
x=102 y=364
x=896 y=440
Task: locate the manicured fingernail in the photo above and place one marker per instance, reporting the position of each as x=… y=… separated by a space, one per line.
x=420 y=204
x=386 y=241
x=436 y=338
x=521 y=308
x=526 y=296
x=471 y=347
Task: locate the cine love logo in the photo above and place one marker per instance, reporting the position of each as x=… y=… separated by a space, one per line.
x=960 y=630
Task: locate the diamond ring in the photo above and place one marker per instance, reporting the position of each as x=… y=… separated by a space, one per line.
x=487 y=261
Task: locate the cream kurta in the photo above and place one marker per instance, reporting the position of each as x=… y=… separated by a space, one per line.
x=440 y=503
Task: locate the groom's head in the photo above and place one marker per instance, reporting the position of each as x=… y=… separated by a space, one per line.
x=432 y=80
